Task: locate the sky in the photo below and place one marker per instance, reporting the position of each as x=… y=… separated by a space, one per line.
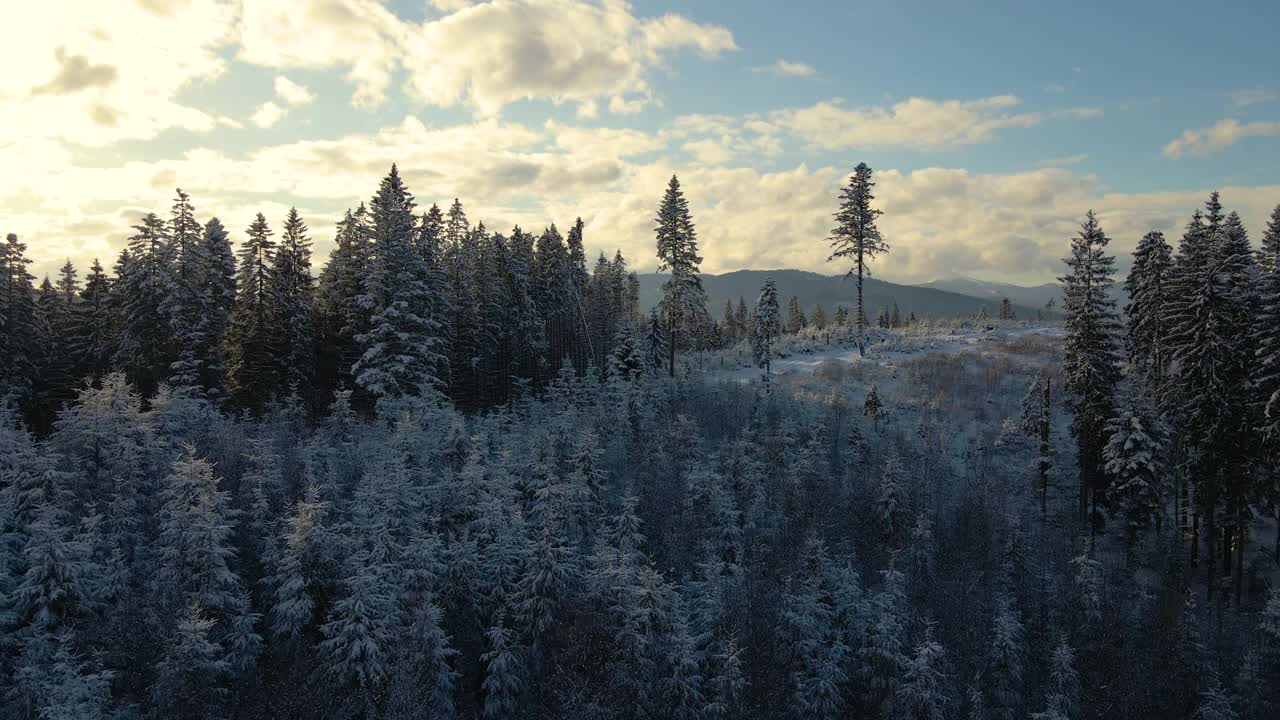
x=992 y=127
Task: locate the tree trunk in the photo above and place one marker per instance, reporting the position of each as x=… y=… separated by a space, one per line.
x=862 y=318
x=1211 y=550
x=1045 y=402
x=1242 y=538
x=671 y=343
x=1195 y=539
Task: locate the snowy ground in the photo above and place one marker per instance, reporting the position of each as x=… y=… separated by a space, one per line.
x=966 y=381
x=887 y=349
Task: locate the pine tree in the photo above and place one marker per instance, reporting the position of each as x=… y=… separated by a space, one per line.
x=1208 y=330
x=856 y=236
x=358 y=634
x=766 y=325
x=250 y=335
x=796 y=321
x=190 y=304
x=1090 y=363
x=188 y=677
x=196 y=554
x=94 y=336
x=922 y=694
x=339 y=315
x=504 y=674
x=404 y=347
x=683 y=299
x=883 y=653
x=291 y=314
x=220 y=280
x=871 y=407
x=1133 y=458
x=1148 y=289
x=842 y=316
x=18 y=323
x=146 y=280
x=1004 y=668
x=821 y=653
x=891 y=501
x=55 y=383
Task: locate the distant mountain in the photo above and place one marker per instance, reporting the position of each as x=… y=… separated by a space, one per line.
x=1035 y=296
x=831 y=291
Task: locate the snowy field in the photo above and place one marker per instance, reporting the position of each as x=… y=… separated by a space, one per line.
x=968 y=380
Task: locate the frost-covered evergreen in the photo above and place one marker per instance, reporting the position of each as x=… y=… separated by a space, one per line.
x=250 y=338
x=1134 y=461
x=765 y=325
x=1267 y=331
x=403 y=347
x=146 y=345
x=856 y=237
x=683 y=301
x=1091 y=355
x=1149 y=291
x=1211 y=349
x=291 y=314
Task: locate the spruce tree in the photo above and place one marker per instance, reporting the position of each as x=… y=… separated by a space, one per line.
x=220 y=280
x=339 y=314
x=251 y=336
x=146 y=279
x=18 y=323
x=1134 y=460
x=1210 y=347
x=683 y=300
x=1148 y=289
x=94 y=335
x=796 y=320
x=1267 y=332
x=856 y=236
x=403 y=348
x=291 y=315
x=1090 y=355
x=189 y=301
x=765 y=325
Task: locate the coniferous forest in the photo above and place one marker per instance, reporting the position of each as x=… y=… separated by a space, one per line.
x=453 y=473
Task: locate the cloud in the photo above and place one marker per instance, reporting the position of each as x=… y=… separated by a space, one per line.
x=1221 y=136
x=96 y=77
x=916 y=123
x=291 y=92
x=1245 y=97
x=482 y=54
x=361 y=36
x=76 y=73
x=267 y=114
x=495 y=53
x=1013 y=225
x=786 y=68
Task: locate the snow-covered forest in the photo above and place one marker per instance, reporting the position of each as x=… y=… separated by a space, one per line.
x=456 y=473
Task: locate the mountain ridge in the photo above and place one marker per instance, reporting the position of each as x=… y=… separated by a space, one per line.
x=830 y=291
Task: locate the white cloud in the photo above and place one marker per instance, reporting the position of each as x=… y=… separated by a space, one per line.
x=1245 y=97
x=491 y=54
x=267 y=114
x=1222 y=135
x=786 y=68
x=1014 y=225
x=917 y=123
x=95 y=77
x=360 y=36
x=292 y=92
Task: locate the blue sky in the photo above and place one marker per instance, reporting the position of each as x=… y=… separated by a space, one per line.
x=992 y=126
